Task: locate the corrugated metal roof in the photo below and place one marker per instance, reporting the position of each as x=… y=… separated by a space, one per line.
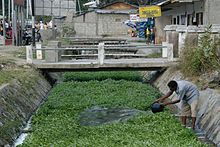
x=131 y=11
x=163 y=2
x=109 y=4
x=184 y=1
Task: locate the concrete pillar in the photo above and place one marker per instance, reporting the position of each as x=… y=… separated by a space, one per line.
x=172 y=37
x=170 y=52
x=39 y=51
x=164 y=49
x=53 y=55
x=182 y=38
x=29 y=54
x=167 y=51
x=101 y=53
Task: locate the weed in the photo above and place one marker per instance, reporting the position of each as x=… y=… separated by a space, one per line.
x=202 y=58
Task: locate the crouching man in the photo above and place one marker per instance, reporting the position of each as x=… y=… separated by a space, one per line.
x=188 y=95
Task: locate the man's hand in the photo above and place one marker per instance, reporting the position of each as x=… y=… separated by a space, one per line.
x=160 y=100
x=164 y=97
x=171 y=102
x=165 y=104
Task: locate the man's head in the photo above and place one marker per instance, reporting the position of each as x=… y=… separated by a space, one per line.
x=172 y=85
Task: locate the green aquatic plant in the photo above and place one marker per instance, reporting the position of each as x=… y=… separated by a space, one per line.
x=57 y=121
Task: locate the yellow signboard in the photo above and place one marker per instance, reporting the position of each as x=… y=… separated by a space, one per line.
x=149 y=11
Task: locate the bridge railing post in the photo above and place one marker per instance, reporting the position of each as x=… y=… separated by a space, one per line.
x=53 y=55
x=167 y=51
x=39 y=51
x=29 y=54
x=101 y=53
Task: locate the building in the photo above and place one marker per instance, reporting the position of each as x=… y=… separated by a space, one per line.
x=192 y=12
x=182 y=21
x=55 y=7
x=105 y=21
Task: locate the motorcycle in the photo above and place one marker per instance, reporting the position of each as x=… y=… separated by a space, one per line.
x=27 y=38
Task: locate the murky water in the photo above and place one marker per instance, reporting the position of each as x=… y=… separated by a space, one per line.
x=98 y=115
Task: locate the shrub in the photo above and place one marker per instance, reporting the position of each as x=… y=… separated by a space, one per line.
x=202 y=58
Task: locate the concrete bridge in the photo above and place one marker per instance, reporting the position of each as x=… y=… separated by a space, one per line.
x=101 y=57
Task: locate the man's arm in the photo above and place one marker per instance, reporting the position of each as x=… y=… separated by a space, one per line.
x=164 y=97
x=172 y=102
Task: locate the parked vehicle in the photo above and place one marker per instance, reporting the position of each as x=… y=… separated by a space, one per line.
x=28 y=38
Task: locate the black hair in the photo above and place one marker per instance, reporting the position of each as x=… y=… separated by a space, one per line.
x=172 y=84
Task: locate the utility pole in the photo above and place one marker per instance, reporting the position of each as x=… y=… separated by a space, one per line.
x=3 y=13
x=79 y=7
x=33 y=22
x=13 y=22
x=52 y=19
x=27 y=7
x=43 y=6
x=9 y=11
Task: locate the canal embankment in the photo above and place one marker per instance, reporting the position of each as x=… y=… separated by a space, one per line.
x=22 y=90
x=26 y=89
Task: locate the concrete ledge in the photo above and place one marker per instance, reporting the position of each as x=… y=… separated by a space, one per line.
x=192 y=29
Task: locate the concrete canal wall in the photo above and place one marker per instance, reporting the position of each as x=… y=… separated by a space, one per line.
x=18 y=101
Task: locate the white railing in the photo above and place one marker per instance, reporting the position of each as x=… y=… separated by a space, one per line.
x=100 y=52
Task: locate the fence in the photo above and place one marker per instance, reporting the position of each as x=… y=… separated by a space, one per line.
x=55 y=53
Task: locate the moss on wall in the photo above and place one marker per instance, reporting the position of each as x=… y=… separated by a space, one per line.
x=22 y=90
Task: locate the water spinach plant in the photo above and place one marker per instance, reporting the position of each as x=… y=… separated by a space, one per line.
x=57 y=121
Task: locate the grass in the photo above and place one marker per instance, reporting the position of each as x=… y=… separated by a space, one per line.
x=24 y=75
x=154 y=55
x=20 y=53
x=204 y=58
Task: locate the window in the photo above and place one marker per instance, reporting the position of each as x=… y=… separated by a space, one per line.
x=183 y=19
x=84 y=17
x=174 y=20
x=178 y=20
x=189 y=19
x=199 y=18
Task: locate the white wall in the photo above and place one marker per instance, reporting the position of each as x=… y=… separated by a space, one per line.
x=112 y=24
x=212 y=12
x=94 y=24
x=86 y=24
